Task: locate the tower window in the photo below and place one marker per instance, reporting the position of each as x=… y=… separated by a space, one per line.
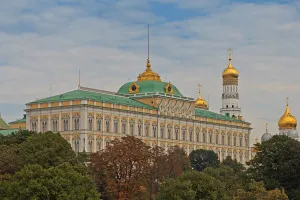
x=226 y=106
x=232 y=106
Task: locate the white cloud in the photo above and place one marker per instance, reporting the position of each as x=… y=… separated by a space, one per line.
x=55 y=41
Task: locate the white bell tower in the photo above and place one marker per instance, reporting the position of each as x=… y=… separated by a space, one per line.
x=230 y=95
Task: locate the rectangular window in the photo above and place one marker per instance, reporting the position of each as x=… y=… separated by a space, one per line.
x=132 y=129
x=99 y=125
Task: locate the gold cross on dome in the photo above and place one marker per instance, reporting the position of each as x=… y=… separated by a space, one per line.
x=229 y=53
x=266 y=126
x=287 y=101
x=199 y=88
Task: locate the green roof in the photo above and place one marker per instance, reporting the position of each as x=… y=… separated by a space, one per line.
x=19 y=120
x=95 y=96
x=148 y=86
x=3 y=124
x=213 y=115
x=8 y=131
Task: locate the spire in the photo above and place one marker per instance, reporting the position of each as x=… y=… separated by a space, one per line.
x=148 y=74
x=79 y=79
x=287 y=101
x=266 y=127
x=229 y=57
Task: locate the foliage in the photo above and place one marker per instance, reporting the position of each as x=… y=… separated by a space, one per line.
x=123 y=168
x=64 y=182
x=200 y=159
x=16 y=138
x=9 y=160
x=258 y=192
x=46 y=149
x=277 y=164
x=177 y=161
x=193 y=185
x=234 y=164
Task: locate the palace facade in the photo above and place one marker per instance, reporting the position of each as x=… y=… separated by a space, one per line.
x=149 y=109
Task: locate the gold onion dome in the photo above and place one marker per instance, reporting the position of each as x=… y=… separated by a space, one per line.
x=287 y=121
x=230 y=71
x=201 y=103
x=148 y=74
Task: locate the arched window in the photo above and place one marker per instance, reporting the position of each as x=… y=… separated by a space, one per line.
x=162 y=131
x=77 y=144
x=76 y=124
x=54 y=125
x=210 y=137
x=90 y=144
x=147 y=129
x=204 y=136
x=223 y=138
x=66 y=124
x=107 y=125
x=154 y=130
x=234 y=140
x=99 y=146
x=116 y=125
x=240 y=140
x=99 y=124
x=33 y=126
x=217 y=137
x=183 y=133
x=124 y=123
x=131 y=127
x=191 y=134
x=176 y=132
x=228 y=139
x=197 y=134
x=169 y=131
x=44 y=126
x=139 y=128
x=90 y=124
x=246 y=141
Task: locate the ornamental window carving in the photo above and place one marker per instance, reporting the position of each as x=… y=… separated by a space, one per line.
x=241 y=140
x=169 y=131
x=76 y=124
x=234 y=140
x=124 y=123
x=162 y=131
x=90 y=124
x=54 y=125
x=139 y=128
x=99 y=124
x=203 y=136
x=217 y=137
x=154 y=130
x=33 y=126
x=210 y=137
x=228 y=140
x=183 y=133
x=176 y=132
x=90 y=144
x=147 y=129
x=191 y=134
x=197 y=134
x=65 y=124
x=107 y=125
x=131 y=127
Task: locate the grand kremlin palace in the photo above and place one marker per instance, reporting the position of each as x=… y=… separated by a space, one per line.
x=149 y=109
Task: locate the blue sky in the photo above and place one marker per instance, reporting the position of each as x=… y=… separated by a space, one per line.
x=43 y=41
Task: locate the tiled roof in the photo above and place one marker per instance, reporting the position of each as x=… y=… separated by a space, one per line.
x=3 y=124
x=95 y=96
x=19 y=121
x=213 y=115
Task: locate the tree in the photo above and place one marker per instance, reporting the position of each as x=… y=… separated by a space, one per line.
x=234 y=164
x=46 y=149
x=177 y=161
x=200 y=159
x=64 y=182
x=121 y=171
x=257 y=191
x=193 y=185
x=277 y=164
x=9 y=160
x=16 y=138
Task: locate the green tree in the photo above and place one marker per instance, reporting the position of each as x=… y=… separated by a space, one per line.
x=46 y=149
x=193 y=185
x=9 y=160
x=257 y=191
x=234 y=164
x=200 y=159
x=277 y=164
x=16 y=138
x=177 y=162
x=64 y=182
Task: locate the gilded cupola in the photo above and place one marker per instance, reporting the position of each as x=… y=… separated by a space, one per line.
x=148 y=74
x=287 y=121
x=230 y=72
x=201 y=103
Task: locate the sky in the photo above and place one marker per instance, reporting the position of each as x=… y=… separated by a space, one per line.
x=48 y=41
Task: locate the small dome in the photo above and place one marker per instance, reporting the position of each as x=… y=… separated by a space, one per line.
x=265 y=137
x=287 y=121
x=230 y=71
x=292 y=134
x=201 y=103
x=148 y=74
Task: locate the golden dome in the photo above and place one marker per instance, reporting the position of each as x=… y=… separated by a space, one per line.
x=287 y=121
x=230 y=71
x=148 y=74
x=201 y=103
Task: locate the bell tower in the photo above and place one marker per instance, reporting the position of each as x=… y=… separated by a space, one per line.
x=230 y=95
